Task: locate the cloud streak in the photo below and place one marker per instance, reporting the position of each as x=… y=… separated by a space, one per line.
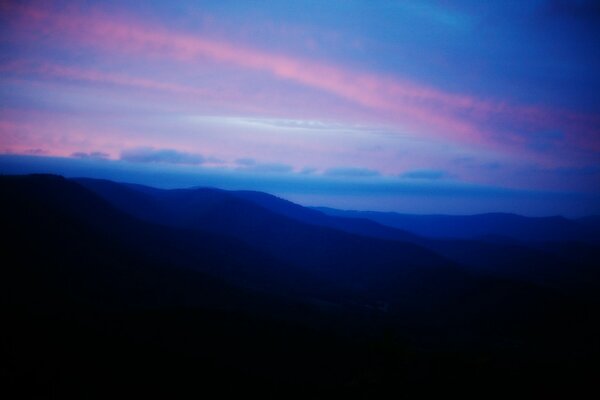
x=351 y=172
x=422 y=109
x=168 y=156
x=79 y=79
x=95 y=155
x=251 y=165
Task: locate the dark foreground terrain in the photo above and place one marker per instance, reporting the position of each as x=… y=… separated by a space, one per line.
x=113 y=289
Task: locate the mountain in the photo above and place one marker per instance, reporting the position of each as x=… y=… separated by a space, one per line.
x=283 y=228
x=332 y=254
x=592 y=221
x=95 y=300
x=56 y=223
x=112 y=287
x=532 y=261
x=480 y=226
x=360 y=226
x=384 y=265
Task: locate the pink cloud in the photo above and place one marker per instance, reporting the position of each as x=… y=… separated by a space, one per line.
x=422 y=109
x=95 y=76
x=59 y=135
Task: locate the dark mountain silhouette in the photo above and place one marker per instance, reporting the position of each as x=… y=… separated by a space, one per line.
x=391 y=269
x=257 y=217
x=122 y=287
x=331 y=254
x=360 y=226
x=532 y=261
x=72 y=227
x=496 y=225
x=592 y=222
x=557 y=258
x=272 y=224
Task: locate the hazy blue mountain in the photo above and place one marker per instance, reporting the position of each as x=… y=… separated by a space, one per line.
x=492 y=225
x=330 y=253
x=284 y=229
x=503 y=256
x=149 y=201
x=361 y=226
x=533 y=260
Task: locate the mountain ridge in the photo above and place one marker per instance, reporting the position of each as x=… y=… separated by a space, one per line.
x=219 y=287
x=518 y=227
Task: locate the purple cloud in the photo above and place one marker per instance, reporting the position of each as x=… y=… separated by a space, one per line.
x=96 y=155
x=351 y=172
x=251 y=165
x=36 y=152
x=167 y=156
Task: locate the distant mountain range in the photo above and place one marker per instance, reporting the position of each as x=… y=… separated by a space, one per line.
x=280 y=227
x=492 y=226
x=247 y=286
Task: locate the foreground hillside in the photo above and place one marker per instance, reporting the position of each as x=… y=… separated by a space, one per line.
x=110 y=287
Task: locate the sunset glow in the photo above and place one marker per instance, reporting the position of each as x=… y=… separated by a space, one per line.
x=392 y=95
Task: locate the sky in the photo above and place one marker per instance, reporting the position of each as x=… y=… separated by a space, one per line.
x=445 y=107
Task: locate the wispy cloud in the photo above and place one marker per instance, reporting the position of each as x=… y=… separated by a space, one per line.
x=423 y=109
x=351 y=172
x=82 y=78
x=36 y=152
x=251 y=165
x=169 y=156
x=96 y=155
